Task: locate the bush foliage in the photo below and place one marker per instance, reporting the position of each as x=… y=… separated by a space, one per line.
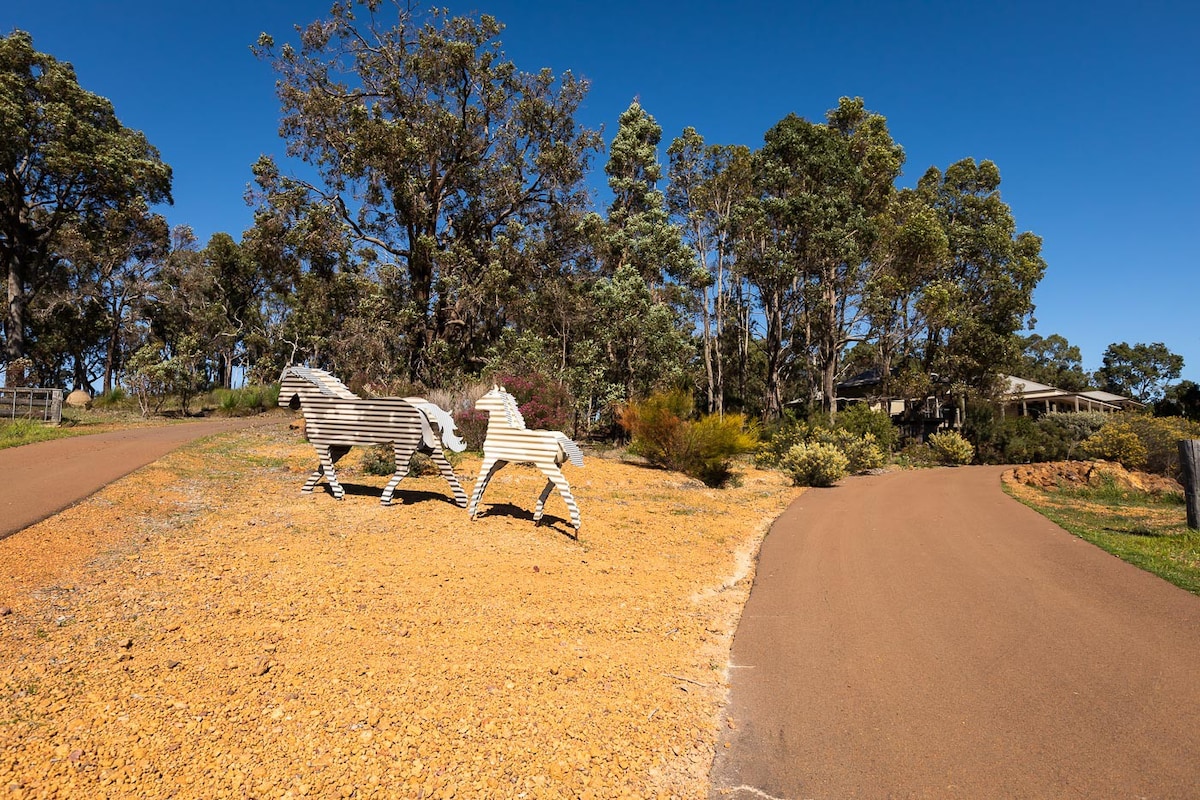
x=950 y=447
x=865 y=438
x=1140 y=441
x=246 y=400
x=861 y=420
x=664 y=434
x=814 y=464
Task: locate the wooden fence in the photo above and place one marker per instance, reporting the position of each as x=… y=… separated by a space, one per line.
x=40 y=404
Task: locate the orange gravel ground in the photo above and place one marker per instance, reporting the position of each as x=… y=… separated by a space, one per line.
x=201 y=629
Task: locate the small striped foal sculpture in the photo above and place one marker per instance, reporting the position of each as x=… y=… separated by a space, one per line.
x=509 y=440
x=336 y=419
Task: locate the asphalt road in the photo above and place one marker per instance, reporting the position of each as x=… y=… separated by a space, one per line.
x=921 y=634
x=41 y=479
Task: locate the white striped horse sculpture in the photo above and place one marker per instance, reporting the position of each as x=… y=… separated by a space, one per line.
x=509 y=440
x=336 y=419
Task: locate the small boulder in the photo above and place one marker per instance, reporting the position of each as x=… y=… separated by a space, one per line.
x=79 y=399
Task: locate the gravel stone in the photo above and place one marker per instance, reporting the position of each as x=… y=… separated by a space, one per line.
x=354 y=650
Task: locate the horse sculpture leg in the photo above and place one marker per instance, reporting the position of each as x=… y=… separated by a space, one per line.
x=556 y=478
x=486 y=470
x=439 y=458
x=327 y=455
x=404 y=452
x=542 y=498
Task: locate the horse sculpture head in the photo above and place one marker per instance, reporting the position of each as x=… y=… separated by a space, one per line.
x=297 y=381
x=501 y=402
x=291 y=385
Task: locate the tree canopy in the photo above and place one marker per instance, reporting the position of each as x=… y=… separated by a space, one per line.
x=1140 y=371
x=1054 y=361
x=429 y=222
x=66 y=162
x=442 y=172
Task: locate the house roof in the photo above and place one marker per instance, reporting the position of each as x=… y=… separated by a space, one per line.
x=1018 y=389
x=1109 y=397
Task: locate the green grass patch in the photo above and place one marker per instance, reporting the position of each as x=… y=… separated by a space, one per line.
x=75 y=422
x=25 y=431
x=1147 y=530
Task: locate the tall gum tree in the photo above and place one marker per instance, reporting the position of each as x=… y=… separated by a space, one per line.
x=65 y=160
x=434 y=156
x=707 y=182
x=983 y=292
x=807 y=238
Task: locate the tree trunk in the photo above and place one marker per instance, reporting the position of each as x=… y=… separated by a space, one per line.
x=14 y=318
x=708 y=355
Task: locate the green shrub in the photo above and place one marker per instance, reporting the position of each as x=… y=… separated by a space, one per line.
x=862 y=452
x=1139 y=441
x=381 y=460
x=861 y=420
x=916 y=454
x=816 y=464
x=949 y=447
x=706 y=447
x=1004 y=440
x=855 y=441
x=1117 y=442
x=703 y=448
x=378 y=460
x=785 y=435
x=117 y=396
x=1065 y=431
x=1160 y=436
x=247 y=400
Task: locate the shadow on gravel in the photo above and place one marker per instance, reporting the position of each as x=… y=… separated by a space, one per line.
x=558 y=524
x=400 y=497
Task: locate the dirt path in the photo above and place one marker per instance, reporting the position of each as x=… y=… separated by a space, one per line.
x=44 y=478
x=920 y=634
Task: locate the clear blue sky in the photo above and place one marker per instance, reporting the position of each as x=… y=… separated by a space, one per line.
x=1090 y=110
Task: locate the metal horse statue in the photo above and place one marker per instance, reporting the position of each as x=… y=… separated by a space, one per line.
x=336 y=419
x=509 y=440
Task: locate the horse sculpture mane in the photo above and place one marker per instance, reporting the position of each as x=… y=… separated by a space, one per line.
x=336 y=419
x=508 y=440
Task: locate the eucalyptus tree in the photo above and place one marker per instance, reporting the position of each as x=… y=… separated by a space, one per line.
x=807 y=241
x=65 y=161
x=433 y=158
x=983 y=293
x=909 y=252
x=1141 y=371
x=1052 y=360
x=114 y=270
x=638 y=231
x=707 y=182
x=644 y=268
x=232 y=287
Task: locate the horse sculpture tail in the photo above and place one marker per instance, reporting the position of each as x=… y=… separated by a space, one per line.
x=569 y=448
x=445 y=422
